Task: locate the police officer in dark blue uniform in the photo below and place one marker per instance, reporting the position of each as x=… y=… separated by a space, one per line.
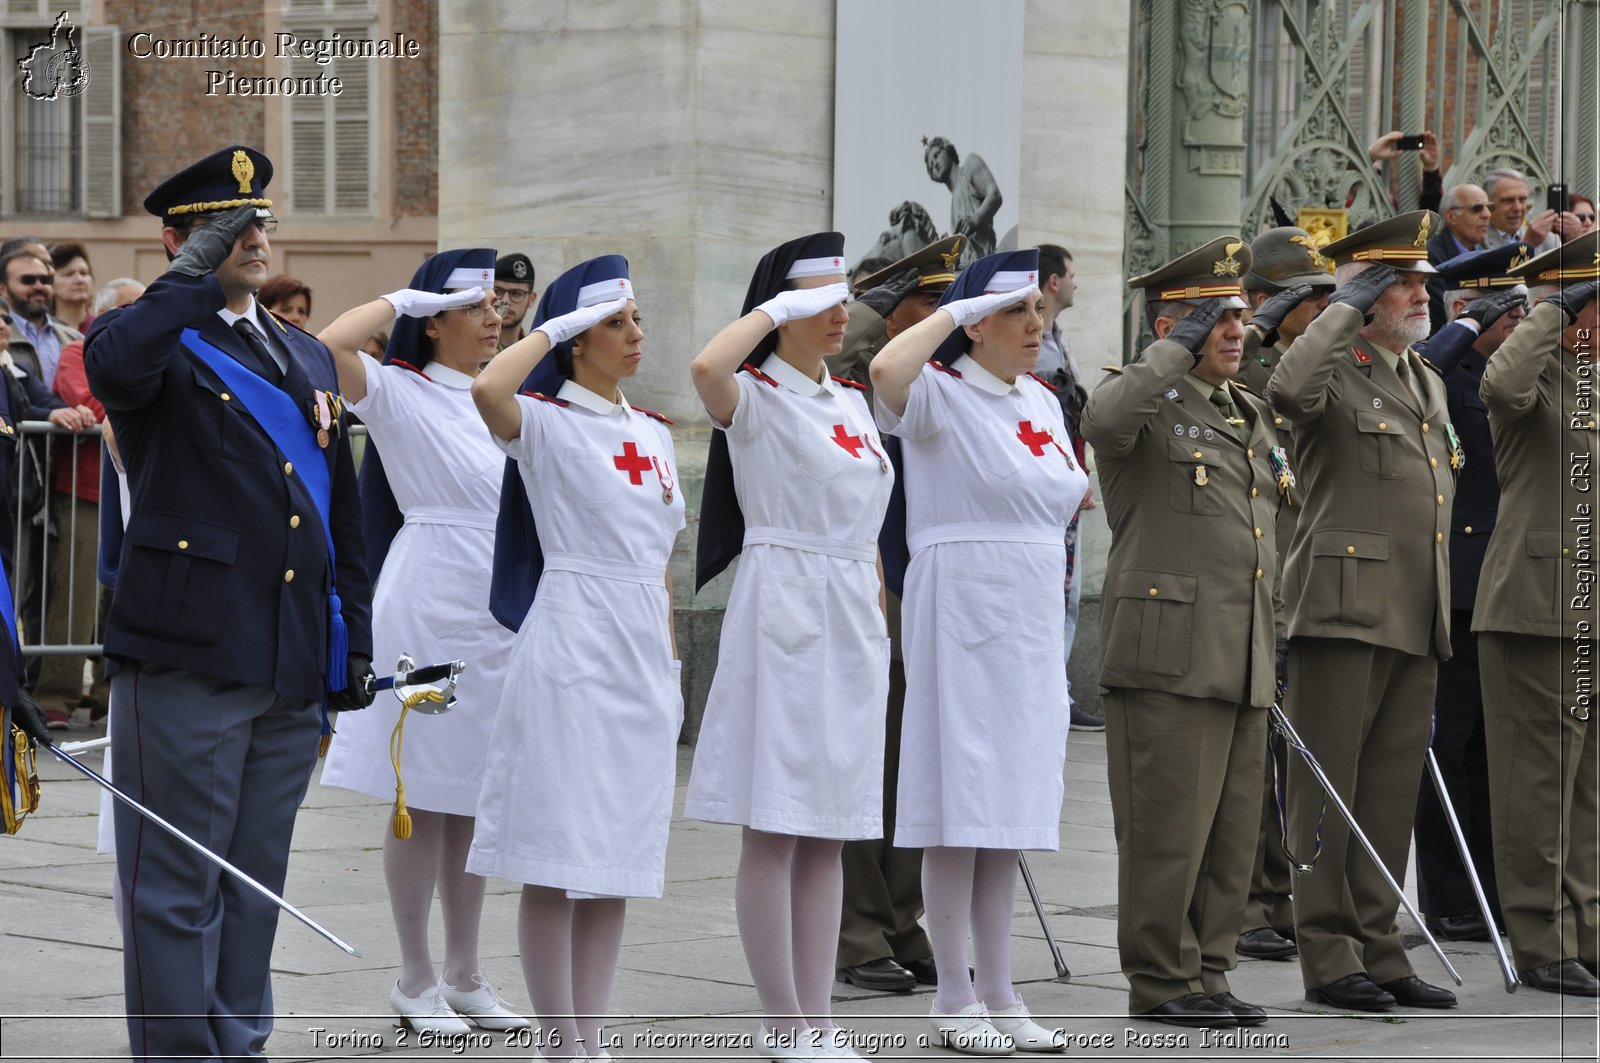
x=1484 y=304
x=242 y=613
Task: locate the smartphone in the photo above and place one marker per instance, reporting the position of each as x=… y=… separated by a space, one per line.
x=1410 y=142
x=1555 y=197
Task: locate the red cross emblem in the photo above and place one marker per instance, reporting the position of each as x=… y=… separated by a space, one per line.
x=1033 y=439
x=632 y=462
x=847 y=442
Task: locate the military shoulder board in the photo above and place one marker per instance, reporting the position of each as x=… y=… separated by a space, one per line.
x=849 y=383
x=758 y=374
x=1111 y=369
x=403 y=364
x=946 y=369
x=663 y=418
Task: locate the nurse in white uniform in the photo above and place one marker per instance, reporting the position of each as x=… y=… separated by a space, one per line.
x=792 y=743
x=990 y=484
x=577 y=794
x=431 y=601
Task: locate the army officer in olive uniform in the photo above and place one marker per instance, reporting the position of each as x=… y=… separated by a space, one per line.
x=1186 y=471
x=1287 y=286
x=1536 y=618
x=1367 y=589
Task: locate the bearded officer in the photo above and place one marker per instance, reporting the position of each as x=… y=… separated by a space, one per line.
x=1187 y=477
x=242 y=610
x=1367 y=590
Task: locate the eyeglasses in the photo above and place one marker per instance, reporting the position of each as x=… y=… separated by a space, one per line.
x=500 y=309
x=263 y=225
x=511 y=295
x=28 y=280
x=1476 y=208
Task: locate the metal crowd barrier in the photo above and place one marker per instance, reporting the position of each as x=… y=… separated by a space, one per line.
x=45 y=571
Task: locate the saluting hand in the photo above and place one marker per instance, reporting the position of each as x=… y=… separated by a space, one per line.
x=1270 y=314
x=1574 y=298
x=563 y=328
x=27 y=715
x=1192 y=332
x=971 y=311
x=797 y=303
x=1488 y=309
x=409 y=302
x=888 y=295
x=1362 y=291
x=357 y=693
x=205 y=249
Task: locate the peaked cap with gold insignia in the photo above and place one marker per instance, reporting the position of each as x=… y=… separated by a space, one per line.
x=1213 y=270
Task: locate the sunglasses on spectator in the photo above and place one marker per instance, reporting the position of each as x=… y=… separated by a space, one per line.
x=1476 y=208
x=1585 y=217
x=27 y=280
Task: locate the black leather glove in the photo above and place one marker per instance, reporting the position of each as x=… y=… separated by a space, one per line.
x=1192 y=332
x=358 y=678
x=206 y=249
x=27 y=715
x=1280 y=648
x=1574 y=298
x=886 y=296
x=1270 y=314
x=1363 y=290
x=1488 y=309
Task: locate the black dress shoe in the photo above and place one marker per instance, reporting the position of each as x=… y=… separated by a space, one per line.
x=1563 y=976
x=885 y=976
x=1353 y=992
x=1244 y=1014
x=1265 y=943
x=1413 y=992
x=1468 y=926
x=922 y=971
x=1192 y=1009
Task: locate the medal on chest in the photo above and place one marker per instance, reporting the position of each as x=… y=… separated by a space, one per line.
x=853 y=445
x=1036 y=439
x=1282 y=473
x=1458 y=456
x=323 y=410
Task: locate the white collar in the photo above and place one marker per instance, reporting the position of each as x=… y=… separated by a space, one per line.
x=981 y=378
x=440 y=373
x=575 y=393
x=793 y=379
x=229 y=317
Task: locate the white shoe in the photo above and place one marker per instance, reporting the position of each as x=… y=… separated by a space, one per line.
x=1027 y=1035
x=785 y=1049
x=970 y=1031
x=427 y=1013
x=483 y=1006
x=834 y=1043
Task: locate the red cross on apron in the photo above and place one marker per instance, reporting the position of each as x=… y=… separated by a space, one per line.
x=847 y=442
x=1034 y=439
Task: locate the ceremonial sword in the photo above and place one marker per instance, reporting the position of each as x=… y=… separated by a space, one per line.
x=1281 y=723
x=1506 y=970
x=1062 y=974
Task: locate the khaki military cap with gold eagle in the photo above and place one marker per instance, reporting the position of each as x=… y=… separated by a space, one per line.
x=1283 y=258
x=1401 y=242
x=1573 y=262
x=936 y=264
x=1210 y=271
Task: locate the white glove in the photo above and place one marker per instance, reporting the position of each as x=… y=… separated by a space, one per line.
x=969 y=311
x=803 y=302
x=411 y=302
x=563 y=328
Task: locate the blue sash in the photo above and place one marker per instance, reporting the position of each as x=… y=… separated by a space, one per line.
x=277 y=413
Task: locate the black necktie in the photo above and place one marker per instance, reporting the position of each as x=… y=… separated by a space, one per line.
x=257 y=343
